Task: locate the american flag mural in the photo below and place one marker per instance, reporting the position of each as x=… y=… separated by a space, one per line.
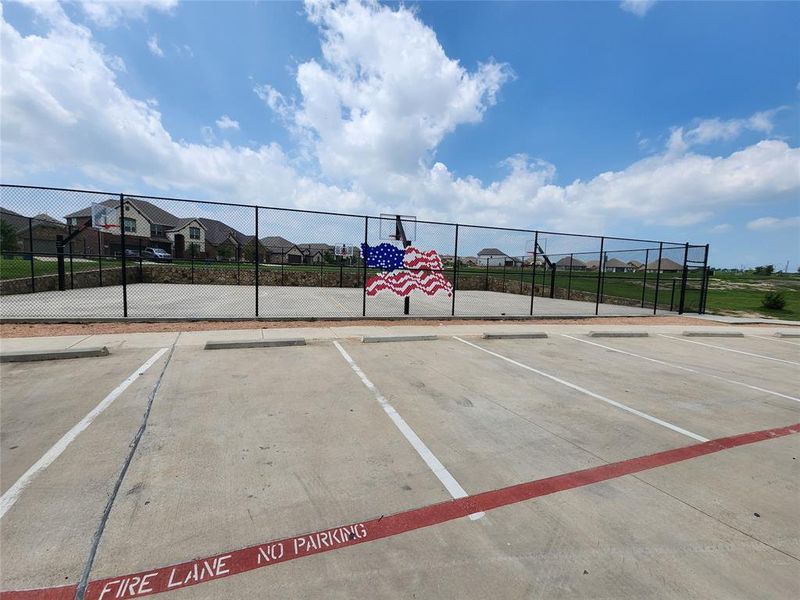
x=405 y=270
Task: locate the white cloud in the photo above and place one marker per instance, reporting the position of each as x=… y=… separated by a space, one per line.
x=721 y=228
x=225 y=122
x=373 y=114
x=772 y=223
x=638 y=7
x=152 y=45
x=370 y=107
x=109 y=13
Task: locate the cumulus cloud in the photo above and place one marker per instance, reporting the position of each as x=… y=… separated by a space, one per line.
x=225 y=122
x=638 y=7
x=108 y=13
x=371 y=112
x=773 y=223
x=371 y=108
x=152 y=45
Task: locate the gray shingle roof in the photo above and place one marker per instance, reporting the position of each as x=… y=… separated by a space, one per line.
x=217 y=232
x=616 y=263
x=565 y=262
x=491 y=252
x=276 y=242
x=154 y=214
x=667 y=264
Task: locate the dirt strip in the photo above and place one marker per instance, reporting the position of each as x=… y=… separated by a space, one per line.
x=11 y=330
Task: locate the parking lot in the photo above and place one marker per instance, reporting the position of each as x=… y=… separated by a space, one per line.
x=569 y=466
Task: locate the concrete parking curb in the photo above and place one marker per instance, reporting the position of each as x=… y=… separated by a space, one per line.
x=618 y=334
x=515 y=336
x=229 y=345
x=374 y=339
x=788 y=334
x=32 y=355
x=713 y=334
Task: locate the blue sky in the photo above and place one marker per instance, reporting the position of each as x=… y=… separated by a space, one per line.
x=665 y=120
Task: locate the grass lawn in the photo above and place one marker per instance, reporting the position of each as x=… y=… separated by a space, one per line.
x=733 y=294
x=16 y=268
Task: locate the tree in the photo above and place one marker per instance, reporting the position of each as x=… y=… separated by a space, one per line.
x=225 y=251
x=764 y=270
x=8 y=237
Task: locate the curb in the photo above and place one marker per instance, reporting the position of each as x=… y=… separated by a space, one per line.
x=515 y=336
x=375 y=339
x=618 y=334
x=713 y=334
x=218 y=345
x=32 y=355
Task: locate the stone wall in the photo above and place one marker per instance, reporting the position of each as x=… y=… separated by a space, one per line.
x=80 y=279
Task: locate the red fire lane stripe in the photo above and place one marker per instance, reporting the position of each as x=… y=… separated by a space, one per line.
x=202 y=570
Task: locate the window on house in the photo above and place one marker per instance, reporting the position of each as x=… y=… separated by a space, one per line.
x=130 y=225
x=194 y=233
x=156 y=230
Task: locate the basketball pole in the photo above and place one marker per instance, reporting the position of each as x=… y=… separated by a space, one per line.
x=400 y=234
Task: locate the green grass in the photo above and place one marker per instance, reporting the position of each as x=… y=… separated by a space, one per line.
x=17 y=267
x=735 y=294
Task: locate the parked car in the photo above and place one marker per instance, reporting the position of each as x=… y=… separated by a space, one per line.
x=156 y=254
x=130 y=253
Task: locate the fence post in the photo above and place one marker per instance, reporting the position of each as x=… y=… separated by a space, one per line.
x=124 y=258
x=30 y=248
x=504 y=276
x=644 y=281
x=238 y=264
x=553 y=282
x=256 y=254
x=141 y=268
x=62 y=278
x=191 y=258
x=283 y=260
x=599 y=277
x=100 y=256
x=71 y=270
x=455 y=274
x=658 y=275
x=684 y=277
x=533 y=276
x=704 y=287
x=569 y=278
x=364 y=268
x=486 y=283
x=341 y=271
x=672 y=297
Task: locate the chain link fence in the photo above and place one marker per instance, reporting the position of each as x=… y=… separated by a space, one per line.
x=74 y=254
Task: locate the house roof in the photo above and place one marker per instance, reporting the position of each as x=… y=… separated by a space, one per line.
x=152 y=213
x=315 y=248
x=181 y=223
x=666 y=264
x=276 y=242
x=565 y=262
x=20 y=222
x=217 y=231
x=491 y=252
x=592 y=263
x=634 y=263
x=615 y=262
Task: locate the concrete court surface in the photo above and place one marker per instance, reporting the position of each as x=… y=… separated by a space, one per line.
x=186 y=300
x=248 y=446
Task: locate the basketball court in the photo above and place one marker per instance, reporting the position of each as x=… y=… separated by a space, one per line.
x=569 y=466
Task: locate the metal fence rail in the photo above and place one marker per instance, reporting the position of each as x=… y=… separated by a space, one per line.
x=230 y=260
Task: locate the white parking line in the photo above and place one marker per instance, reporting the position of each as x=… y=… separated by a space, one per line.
x=578 y=388
x=449 y=482
x=682 y=368
x=12 y=494
x=763 y=337
x=788 y=362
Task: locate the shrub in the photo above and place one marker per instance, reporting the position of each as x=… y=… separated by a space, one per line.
x=774 y=300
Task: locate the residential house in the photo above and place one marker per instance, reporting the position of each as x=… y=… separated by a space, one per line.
x=570 y=262
x=615 y=265
x=222 y=242
x=282 y=251
x=42 y=228
x=667 y=266
x=493 y=257
x=592 y=265
x=635 y=265
x=316 y=253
